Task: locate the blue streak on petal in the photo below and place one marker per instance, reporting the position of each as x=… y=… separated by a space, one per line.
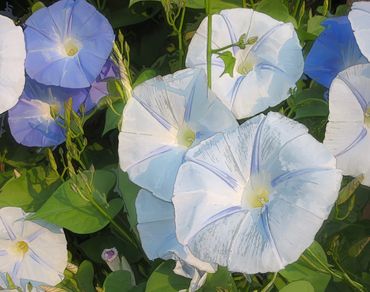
x=38 y=259
x=152 y=154
x=156 y=116
x=221 y=214
x=358 y=139
x=236 y=88
x=15 y=270
x=265 y=37
x=231 y=32
x=3 y=253
x=266 y=66
x=255 y=163
x=189 y=105
x=266 y=228
x=229 y=180
x=8 y=229
x=292 y=174
x=34 y=235
x=361 y=100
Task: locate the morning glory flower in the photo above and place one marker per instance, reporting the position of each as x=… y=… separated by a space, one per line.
x=30 y=252
x=265 y=69
x=359 y=16
x=99 y=88
x=156 y=226
x=347 y=133
x=12 y=56
x=166 y=116
x=253 y=198
x=67 y=44
x=333 y=51
x=35 y=120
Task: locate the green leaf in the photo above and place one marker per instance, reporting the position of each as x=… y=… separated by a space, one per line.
x=229 y=61
x=118 y=281
x=301 y=286
x=310 y=103
x=30 y=190
x=163 y=279
x=128 y=191
x=144 y=76
x=113 y=116
x=222 y=280
x=65 y=205
x=356 y=249
x=314 y=25
x=85 y=276
x=276 y=9
x=348 y=190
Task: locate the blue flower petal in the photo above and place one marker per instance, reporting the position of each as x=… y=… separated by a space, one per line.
x=31 y=122
x=333 y=51
x=67 y=26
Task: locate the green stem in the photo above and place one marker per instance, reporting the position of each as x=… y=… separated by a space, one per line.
x=209 y=43
x=179 y=36
x=118 y=228
x=215 y=51
x=269 y=284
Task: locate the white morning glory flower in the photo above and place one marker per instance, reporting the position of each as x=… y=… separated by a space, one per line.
x=30 y=252
x=12 y=56
x=359 y=16
x=265 y=70
x=164 y=117
x=253 y=198
x=156 y=226
x=347 y=133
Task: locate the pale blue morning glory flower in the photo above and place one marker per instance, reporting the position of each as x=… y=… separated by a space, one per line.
x=265 y=70
x=347 y=133
x=333 y=51
x=31 y=120
x=156 y=226
x=359 y=17
x=253 y=198
x=163 y=119
x=67 y=44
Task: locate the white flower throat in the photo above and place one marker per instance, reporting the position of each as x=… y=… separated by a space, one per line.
x=71 y=47
x=245 y=59
x=257 y=192
x=20 y=248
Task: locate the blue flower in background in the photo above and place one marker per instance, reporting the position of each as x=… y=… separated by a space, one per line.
x=99 y=88
x=31 y=121
x=67 y=44
x=333 y=51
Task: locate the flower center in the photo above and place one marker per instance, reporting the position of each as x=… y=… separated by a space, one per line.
x=185 y=136
x=71 y=47
x=367 y=118
x=245 y=61
x=257 y=193
x=21 y=247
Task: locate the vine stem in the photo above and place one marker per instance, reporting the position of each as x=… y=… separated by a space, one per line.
x=179 y=36
x=269 y=284
x=209 y=43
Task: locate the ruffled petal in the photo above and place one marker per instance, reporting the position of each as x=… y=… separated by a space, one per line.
x=359 y=17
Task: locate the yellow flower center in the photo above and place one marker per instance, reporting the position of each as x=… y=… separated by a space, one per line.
x=71 y=47
x=245 y=61
x=185 y=136
x=257 y=192
x=21 y=247
x=259 y=198
x=367 y=117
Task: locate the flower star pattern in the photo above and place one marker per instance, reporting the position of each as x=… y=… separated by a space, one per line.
x=253 y=198
x=67 y=44
x=347 y=133
x=265 y=70
x=30 y=252
x=166 y=116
